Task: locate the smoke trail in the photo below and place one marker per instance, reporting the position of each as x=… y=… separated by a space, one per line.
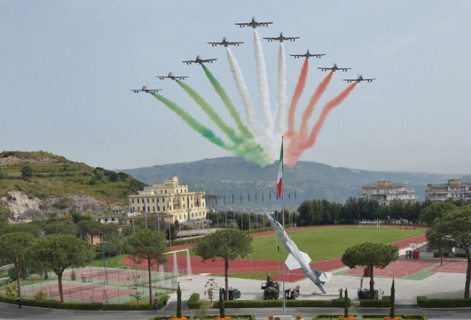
x=192 y=122
x=297 y=94
x=297 y=146
x=228 y=103
x=261 y=136
x=243 y=92
x=262 y=82
x=312 y=103
x=281 y=112
x=210 y=112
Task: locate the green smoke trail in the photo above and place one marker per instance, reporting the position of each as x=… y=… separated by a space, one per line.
x=228 y=103
x=210 y=112
x=192 y=122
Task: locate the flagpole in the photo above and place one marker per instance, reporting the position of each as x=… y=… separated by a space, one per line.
x=283 y=222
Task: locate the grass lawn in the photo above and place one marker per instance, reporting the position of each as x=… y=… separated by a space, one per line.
x=327 y=243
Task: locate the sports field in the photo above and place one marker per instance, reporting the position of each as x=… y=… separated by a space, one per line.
x=328 y=242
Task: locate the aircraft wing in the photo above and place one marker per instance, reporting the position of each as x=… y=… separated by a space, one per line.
x=215 y=43
x=270 y=38
x=291 y=38
x=344 y=69
x=264 y=24
x=188 y=62
x=350 y=80
x=369 y=80
x=235 y=43
x=324 y=69
x=242 y=24
x=161 y=77
x=135 y=90
x=181 y=77
x=296 y=56
x=209 y=60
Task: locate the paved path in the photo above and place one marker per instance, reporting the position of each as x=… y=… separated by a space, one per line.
x=8 y=311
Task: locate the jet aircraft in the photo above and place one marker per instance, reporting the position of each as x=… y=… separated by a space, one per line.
x=359 y=79
x=199 y=60
x=145 y=89
x=280 y=38
x=253 y=24
x=307 y=55
x=172 y=77
x=334 y=68
x=225 y=43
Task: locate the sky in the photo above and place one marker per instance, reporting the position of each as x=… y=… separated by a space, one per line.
x=67 y=67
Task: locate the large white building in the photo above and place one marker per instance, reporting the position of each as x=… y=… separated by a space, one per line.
x=385 y=191
x=453 y=190
x=171 y=201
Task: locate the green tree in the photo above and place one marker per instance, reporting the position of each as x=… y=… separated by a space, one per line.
x=456 y=226
x=437 y=240
x=346 y=304
x=26 y=172
x=371 y=255
x=227 y=244
x=14 y=249
x=179 y=302
x=149 y=245
x=392 y=310
x=59 y=252
x=89 y=228
x=61 y=227
x=435 y=210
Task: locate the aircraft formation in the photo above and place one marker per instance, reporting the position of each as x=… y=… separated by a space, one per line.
x=225 y=43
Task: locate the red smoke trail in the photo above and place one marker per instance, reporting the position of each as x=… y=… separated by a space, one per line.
x=312 y=103
x=297 y=146
x=297 y=94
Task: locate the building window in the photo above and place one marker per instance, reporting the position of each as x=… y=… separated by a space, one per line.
x=137 y=200
x=147 y=200
x=132 y=200
x=153 y=200
x=153 y=209
x=163 y=208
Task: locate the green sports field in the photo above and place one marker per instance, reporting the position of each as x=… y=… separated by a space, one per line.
x=330 y=242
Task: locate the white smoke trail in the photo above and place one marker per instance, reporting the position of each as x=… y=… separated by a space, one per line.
x=244 y=93
x=281 y=111
x=262 y=136
x=262 y=82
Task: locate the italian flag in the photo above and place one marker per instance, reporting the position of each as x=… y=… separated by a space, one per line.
x=279 y=180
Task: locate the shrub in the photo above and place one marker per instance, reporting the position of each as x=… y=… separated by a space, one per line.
x=41 y=296
x=162 y=300
x=194 y=301
x=10 y=291
x=339 y=303
x=424 y=302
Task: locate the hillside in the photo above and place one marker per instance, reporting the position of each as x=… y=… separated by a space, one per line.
x=44 y=183
x=308 y=180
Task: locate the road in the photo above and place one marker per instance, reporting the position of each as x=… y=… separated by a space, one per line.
x=8 y=311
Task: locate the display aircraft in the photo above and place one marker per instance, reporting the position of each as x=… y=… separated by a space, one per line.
x=359 y=79
x=281 y=38
x=199 y=60
x=253 y=24
x=334 y=68
x=307 y=55
x=172 y=77
x=225 y=43
x=145 y=89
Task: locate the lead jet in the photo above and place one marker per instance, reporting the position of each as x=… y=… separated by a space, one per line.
x=253 y=24
x=359 y=79
x=281 y=38
x=225 y=43
x=145 y=89
x=199 y=60
x=172 y=77
x=334 y=68
x=307 y=55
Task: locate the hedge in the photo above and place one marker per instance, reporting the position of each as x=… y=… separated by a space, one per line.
x=424 y=302
x=77 y=306
x=209 y=317
x=381 y=316
x=338 y=303
x=162 y=300
x=383 y=303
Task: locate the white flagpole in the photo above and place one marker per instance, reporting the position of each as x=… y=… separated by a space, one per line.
x=283 y=223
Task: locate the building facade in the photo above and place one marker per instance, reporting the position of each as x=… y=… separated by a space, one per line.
x=453 y=190
x=170 y=201
x=385 y=191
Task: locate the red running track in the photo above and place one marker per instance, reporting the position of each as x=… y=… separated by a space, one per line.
x=452 y=266
x=397 y=269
